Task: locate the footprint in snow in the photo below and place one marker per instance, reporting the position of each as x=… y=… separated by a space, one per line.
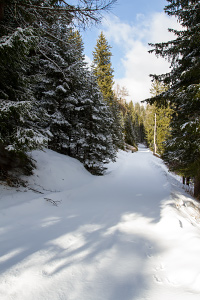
x=160 y=267
x=159 y=280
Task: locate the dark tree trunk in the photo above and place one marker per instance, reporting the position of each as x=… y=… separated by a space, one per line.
x=188 y=180
x=197 y=186
x=183 y=179
x=2 y=5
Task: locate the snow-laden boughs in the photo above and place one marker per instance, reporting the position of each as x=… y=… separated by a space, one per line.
x=182 y=151
x=78 y=115
x=18 y=131
x=19 y=113
x=14 y=64
x=97 y=119
x=45 y=87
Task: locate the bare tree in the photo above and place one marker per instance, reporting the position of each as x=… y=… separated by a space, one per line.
x=83 y=13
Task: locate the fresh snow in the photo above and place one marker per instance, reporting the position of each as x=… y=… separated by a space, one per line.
x=133 y=234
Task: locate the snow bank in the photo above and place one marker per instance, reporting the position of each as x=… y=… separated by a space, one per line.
x=129 y=235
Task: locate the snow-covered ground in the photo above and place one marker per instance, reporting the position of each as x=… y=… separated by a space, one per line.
x=133 y=234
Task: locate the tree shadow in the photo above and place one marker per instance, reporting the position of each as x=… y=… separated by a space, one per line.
x=97 y=242
x=102 y=251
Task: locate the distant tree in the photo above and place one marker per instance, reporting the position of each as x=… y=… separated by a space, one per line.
x=103 y=68
x=132 y=117
x=129 y=130
x=103 y=71
x=157 y=121
x=163 y=119
x=121 y=93
x=139 y=118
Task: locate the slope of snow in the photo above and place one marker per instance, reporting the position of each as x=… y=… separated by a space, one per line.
x=132 y=234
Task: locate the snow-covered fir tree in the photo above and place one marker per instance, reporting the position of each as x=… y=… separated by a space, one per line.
x=95 y=121
x=69 y=93
x=43 y=92
x=19 y=117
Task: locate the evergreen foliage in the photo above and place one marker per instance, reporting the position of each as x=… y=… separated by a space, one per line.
x=139 y=118
x=163 y=119
x=102 y=70
x=129 y=131
x=182 y=151
x=161 y=114
x=48 y=96
x=132 y=118
x=19 y=130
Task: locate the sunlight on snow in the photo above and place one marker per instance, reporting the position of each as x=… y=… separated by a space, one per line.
x=131 y=223
x=11 y=254
x=49 y=221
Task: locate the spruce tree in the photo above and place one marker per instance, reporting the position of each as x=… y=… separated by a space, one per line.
x=40 y=80
x=70 y=94
x=98 y=148
x=19 y=118
x=102 y=70
x=138 y=122
x=62 y=72
x=129 y=130
x=182 y=149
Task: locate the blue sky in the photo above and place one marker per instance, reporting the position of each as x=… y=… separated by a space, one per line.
x=129 y=27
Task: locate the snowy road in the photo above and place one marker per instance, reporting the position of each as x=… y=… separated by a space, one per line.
x=117 y=237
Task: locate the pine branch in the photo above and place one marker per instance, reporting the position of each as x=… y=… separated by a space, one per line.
x=55 y=64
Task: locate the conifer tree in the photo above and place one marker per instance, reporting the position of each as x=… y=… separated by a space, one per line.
x=77 y=120
x=130 y=136
x=161 y=114
x=182 y=149
x=102 y=70
x=32 y=42
x=60 y=88
x=19 y=118
x=98 y=146
x=139 y=117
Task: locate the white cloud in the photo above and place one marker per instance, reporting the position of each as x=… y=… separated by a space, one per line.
x=133 y=41
x=88 y=61
x=160 y=23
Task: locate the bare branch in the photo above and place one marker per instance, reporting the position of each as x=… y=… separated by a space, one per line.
x=54 y=202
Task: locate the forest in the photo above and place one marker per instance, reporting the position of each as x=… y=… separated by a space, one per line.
x=50 y=97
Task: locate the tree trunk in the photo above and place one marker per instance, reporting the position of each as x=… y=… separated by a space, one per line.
x=197 y=186
x=2 y=4
x=188 y=180
x=183 y=178
x=155 y=150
